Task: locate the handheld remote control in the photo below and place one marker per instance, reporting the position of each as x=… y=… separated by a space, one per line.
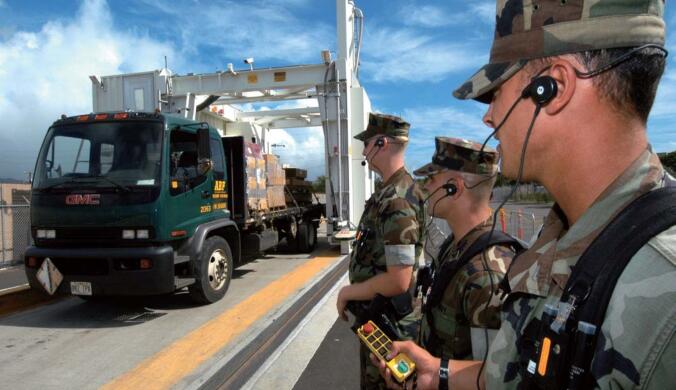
x=377 y=341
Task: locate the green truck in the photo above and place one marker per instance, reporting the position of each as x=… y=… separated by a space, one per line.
x=137 y=203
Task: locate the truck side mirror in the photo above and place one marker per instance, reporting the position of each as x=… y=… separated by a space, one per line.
x=204 y=163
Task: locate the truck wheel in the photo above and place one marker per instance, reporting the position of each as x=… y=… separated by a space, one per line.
x=292 y=230
x=212 y=272
x=307 y=237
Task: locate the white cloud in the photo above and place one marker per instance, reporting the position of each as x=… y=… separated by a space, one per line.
x=426 y=16
x=485 y=11
x=44 y=74
x=404 y=54
x=261 y=29
x=303 y=148
x=428 y=122
x=430 y=16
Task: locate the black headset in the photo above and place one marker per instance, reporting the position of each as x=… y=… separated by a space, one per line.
x=451 y=189
x=380 y=142
x=541 y=89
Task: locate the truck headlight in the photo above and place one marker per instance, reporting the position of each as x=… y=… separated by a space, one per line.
x=128 y=234
x=46 y=233
x=142 y=234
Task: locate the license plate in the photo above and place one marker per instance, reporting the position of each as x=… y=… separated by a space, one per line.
x=80 y=288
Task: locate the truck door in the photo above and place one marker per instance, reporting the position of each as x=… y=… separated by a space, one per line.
x=220 y=190
x=190 y=200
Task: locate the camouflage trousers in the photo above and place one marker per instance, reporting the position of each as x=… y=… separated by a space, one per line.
x=370 y=378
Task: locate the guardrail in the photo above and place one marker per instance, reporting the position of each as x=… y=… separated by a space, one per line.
x=15 y=233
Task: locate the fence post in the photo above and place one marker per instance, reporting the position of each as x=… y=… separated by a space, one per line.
x=502 y=220
x=519 y=228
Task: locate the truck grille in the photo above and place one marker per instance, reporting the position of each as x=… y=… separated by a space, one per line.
x=68 y=266
x=91 y=233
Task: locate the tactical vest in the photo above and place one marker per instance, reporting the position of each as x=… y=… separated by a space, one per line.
x=556 y=350
x=444 y=331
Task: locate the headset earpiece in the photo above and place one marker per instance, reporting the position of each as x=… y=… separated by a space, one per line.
x=541 y=89
x=380 y=142
x=451 y=189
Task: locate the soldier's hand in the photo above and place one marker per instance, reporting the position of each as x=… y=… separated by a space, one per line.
x=341 y=302
x=426 y=365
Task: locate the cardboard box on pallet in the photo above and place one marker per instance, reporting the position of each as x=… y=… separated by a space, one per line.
x=274 y=170
x=276 y=197
x=256 y=188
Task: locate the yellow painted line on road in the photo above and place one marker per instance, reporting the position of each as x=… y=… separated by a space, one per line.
x=181 y=358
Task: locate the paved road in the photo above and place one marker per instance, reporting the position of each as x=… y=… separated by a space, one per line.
x=335 y=365
x=71 y=343
x=12 y=277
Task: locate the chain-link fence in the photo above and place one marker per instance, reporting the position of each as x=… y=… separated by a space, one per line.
x=15 y=233
x=519 y=223
x=515 y=221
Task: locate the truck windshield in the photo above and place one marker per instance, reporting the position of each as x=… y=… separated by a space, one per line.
x=118 y=155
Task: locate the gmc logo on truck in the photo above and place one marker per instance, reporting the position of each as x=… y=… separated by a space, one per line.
x=83 y=199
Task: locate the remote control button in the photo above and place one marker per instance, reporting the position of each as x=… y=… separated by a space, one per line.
x=402 y=367
x=367 y=328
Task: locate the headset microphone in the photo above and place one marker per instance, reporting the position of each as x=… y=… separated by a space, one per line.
x=541 y=89
x=380 y=142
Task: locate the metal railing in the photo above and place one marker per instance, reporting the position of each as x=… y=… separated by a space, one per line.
x=516 y=222
x=15 y=233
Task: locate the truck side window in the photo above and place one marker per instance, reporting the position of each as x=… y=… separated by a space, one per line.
x=217 y=158
x=183 y=151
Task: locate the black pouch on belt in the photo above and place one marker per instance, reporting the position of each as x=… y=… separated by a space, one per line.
x=401 y=305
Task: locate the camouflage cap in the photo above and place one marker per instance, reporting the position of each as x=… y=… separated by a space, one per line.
x=460 y=155
x=525 y=30
x=388 y=125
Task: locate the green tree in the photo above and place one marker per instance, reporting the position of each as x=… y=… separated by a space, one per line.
x=319 y=185
x=668 y=161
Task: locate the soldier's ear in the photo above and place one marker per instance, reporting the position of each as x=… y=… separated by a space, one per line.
x=563 y=73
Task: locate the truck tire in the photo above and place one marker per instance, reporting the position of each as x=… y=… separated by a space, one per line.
x=307 y=237
x=292 y=230
x=213 y=271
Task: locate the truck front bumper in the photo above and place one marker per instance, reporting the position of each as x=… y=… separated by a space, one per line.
x=111 y=271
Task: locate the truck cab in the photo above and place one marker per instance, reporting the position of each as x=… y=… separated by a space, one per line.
x=132 y=203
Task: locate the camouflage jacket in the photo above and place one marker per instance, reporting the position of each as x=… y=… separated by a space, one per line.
x=391 y=229
x=636 y=346
x=445 y=328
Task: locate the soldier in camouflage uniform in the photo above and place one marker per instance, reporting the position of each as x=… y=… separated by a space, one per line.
x=391 y=230
x=451 y=325
x=589 y=148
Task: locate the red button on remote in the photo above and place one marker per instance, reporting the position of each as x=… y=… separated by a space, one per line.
x=367 y=328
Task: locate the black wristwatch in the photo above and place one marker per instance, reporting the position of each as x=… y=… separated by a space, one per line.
x=443 y=374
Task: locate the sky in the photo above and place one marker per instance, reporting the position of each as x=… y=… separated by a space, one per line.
x=414 y=54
